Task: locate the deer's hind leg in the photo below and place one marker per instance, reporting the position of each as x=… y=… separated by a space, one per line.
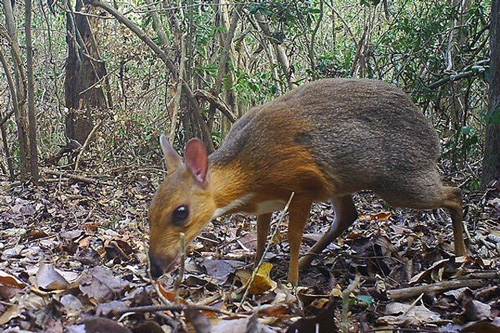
x=424 y=190
x=345 y=215
x=452 y=201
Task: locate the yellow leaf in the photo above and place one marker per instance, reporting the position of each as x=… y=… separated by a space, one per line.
x=261 y=283
x=336 y=291
x=382 y=216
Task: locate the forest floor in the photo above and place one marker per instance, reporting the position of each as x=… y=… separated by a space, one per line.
x=74 y=255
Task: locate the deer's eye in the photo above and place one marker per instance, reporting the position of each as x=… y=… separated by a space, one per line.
x=180 y=215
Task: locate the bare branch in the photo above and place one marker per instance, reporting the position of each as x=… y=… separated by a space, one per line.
x=217 y=102
x=163 y=56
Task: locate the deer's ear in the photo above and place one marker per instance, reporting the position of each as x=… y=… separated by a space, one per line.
x=197 y=160
x=173 y=159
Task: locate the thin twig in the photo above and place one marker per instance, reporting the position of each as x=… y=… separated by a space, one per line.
x=178 y=281
x=413 y=304
x=101 y=79
x=345 y=303
x=344 y=22
x=87 y=141
x=268 y=246
x=119 y=249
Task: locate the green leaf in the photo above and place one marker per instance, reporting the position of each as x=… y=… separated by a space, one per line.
x=478 y=69
x=365 y=299
x=209 y=69
x=369 y=3
x=146 y=21
x=467 y=130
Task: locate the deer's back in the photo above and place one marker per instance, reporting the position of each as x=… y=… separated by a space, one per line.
x=359 y=132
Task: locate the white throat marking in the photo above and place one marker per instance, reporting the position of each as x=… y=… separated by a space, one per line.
x=235 y=204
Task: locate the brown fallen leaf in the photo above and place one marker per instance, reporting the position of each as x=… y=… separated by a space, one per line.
x=7 y=292
x=34 y=234
x=72 y=305
x=10 y=280
x=47 y=278
x=117 y=248
x=323 y=323
x=476 y=310
x=308 y=298
x=436 y=271
x=53 y=325
x=148 y=327
x=199 y=321
x=407 y=315
x=170 y=295
x=277 y=310
x=484 y=326
x=92 y=226
x=221 y=269
x=101 y=284
x=11 y=313
x=248 y=241
x=382 y=216
x=106 y=309
x=98 y=325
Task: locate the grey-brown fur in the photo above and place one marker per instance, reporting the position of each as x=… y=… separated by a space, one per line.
x=367 y=133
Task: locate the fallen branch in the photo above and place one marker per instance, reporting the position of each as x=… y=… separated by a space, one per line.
x=76 y=177
x=410 y=292
x=485 y=275
x=176 y=308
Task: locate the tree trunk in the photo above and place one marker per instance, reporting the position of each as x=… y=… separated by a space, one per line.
x=225 y=58
x=33 y=150
x=83 y=71
x=18 y=91
x=279 y=50
x=491 y=160
x=6 y=149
